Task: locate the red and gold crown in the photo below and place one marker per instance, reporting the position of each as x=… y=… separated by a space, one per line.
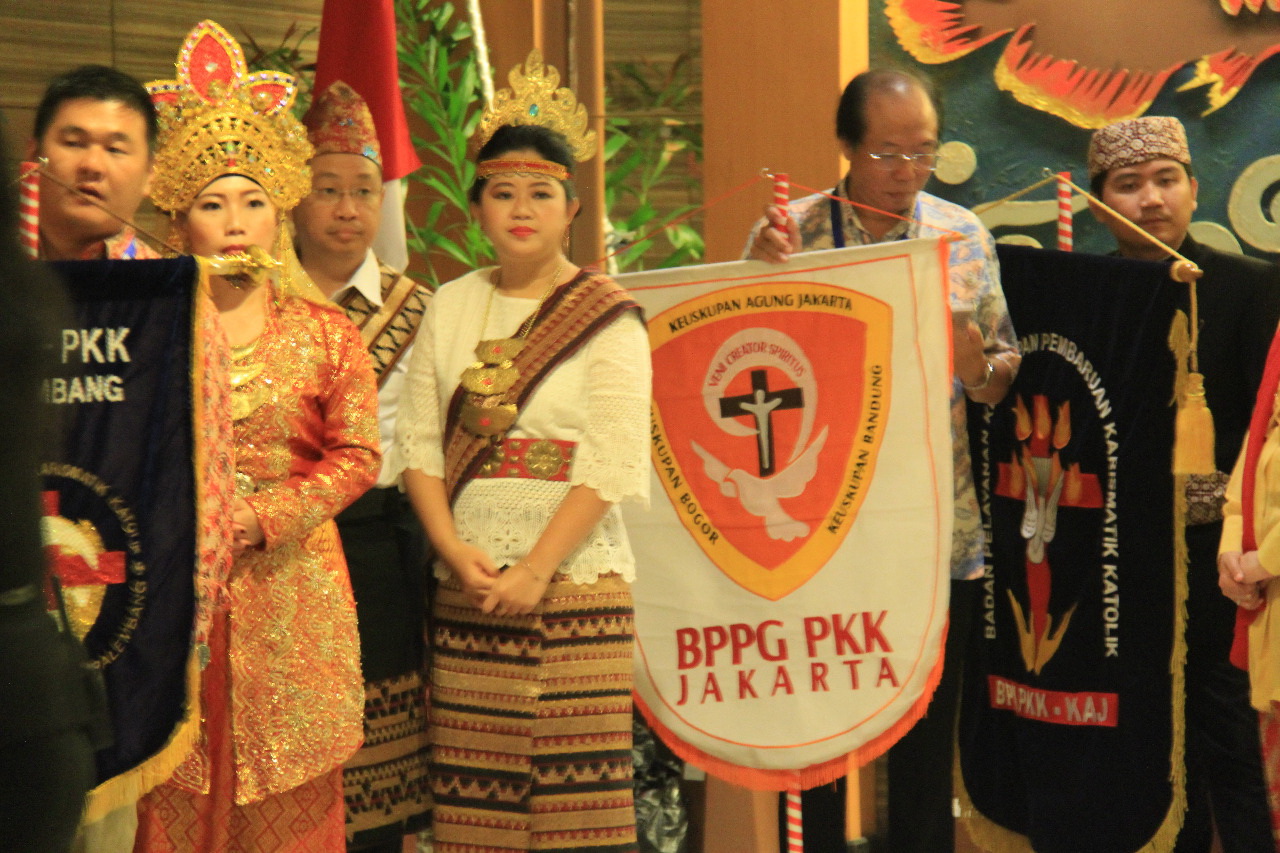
x=217 y=119
x=339 y=122
x=536 y=98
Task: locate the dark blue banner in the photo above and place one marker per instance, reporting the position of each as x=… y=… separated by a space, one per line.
x=120 y=494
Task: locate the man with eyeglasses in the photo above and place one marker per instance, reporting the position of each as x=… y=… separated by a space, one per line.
x=385 y=783
x=887 y=127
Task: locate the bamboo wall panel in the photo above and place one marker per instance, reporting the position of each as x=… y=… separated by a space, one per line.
x=148 y=34
x=42 y=38
x=35 y=39
x=658 y=32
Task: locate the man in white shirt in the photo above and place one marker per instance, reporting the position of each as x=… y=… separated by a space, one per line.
x=386 y=782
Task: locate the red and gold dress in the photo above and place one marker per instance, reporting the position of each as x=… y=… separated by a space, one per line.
x=282 y=695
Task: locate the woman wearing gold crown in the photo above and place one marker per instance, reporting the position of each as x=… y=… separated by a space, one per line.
x=281 y=694
x=525 y=421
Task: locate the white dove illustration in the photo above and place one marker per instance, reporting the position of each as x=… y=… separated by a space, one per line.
x=760 y=495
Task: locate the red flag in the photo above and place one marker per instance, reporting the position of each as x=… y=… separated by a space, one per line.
x=358 y=46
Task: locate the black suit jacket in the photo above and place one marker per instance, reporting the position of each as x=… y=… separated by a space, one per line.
x=1239 y=305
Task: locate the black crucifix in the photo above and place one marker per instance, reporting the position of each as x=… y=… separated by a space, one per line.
x=761 y=404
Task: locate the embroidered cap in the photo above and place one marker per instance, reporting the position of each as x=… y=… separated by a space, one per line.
x=339 y=122
x=1137 y=140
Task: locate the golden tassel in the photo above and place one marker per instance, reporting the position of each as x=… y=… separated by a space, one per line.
x=1193 y=431
x=1193 y=441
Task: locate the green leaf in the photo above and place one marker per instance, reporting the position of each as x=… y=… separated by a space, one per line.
x=628 y=166
x=433 y=214
x=451 y=192
x=613 y=143
x=643 y=215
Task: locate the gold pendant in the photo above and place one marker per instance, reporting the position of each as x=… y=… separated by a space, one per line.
x=244 y=374
x=499 y=350
x=246 y=401
x=488 y=380
x=490 y=420
x=245 y=485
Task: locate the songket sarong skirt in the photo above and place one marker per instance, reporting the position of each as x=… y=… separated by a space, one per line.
x=531 y=722
x=172 y=819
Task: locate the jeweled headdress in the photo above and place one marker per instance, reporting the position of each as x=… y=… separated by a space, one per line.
x=217 y=119
x=339 y=122
x=536 y=98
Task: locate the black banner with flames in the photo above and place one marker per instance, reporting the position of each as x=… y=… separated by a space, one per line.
x=1071 y=726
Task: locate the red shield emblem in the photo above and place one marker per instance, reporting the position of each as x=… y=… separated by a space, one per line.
x=770 y=401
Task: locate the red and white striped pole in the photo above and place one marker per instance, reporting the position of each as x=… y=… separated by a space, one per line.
x=781 y=197
x=1064 y=212
x=29 y=208
x=795 y=822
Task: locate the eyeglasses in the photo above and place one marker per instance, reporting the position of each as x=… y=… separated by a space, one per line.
x=890 y=160
x=360 y=196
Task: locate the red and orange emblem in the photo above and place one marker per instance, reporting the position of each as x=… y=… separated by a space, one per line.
x=770 y=403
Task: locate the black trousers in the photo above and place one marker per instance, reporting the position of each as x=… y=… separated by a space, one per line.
x=46 y=752
x=920 y=764
x=386 y=553
x=1225 y=781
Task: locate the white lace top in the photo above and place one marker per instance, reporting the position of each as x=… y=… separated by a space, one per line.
x=598 y=397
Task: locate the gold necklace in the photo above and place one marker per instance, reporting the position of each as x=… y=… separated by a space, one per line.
x=493 y=372
x=247 y=396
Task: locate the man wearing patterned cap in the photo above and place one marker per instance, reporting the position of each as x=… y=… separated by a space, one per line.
x=386 y=782
x=1141 y=168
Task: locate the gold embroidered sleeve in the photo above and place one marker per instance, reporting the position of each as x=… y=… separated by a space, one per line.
x=215 y=463
x=348 y=456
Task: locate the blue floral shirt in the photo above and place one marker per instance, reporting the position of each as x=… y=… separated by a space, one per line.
x=975 y=286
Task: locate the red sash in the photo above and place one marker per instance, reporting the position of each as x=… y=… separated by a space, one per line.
x=1263 y=408
x=569 y=318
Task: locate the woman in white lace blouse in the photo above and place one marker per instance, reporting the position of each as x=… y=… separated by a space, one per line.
x=525 y=422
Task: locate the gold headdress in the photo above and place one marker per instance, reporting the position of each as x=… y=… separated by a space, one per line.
x=536 y=98
x=217 y=119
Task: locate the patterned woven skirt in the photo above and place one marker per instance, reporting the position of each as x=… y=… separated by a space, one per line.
x=385 y=783
x=531 y=723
